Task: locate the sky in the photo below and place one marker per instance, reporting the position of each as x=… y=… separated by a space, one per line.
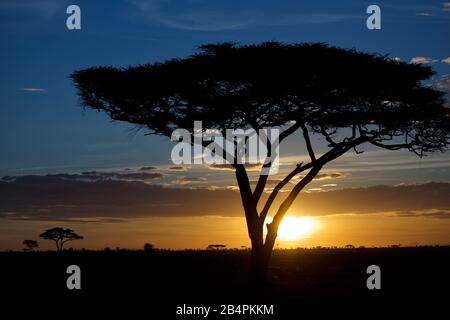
x=62 y=164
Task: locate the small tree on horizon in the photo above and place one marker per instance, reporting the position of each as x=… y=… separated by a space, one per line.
x=346 y=97
x=60 y=236
x=30 y=245
x=216 y=246
x=148 y=247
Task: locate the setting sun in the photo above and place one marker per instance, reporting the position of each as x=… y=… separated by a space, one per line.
x=293 y=228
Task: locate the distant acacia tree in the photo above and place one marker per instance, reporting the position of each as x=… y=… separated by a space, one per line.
x=60 y=236
x=346 y=97
x=148 y=247
x=30 y=245
x=216 y=246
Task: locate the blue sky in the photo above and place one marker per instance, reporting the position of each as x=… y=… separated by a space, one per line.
x=44 y=130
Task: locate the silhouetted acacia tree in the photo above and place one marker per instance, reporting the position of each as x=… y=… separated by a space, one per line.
x=60 y=236
x=216 y=246
x=347 y=97
x=30 y=245
x=148 y=247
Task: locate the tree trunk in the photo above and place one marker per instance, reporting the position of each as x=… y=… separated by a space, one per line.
x=259 y=266
x=259 y=259
x=58 y=245
x=260 y=255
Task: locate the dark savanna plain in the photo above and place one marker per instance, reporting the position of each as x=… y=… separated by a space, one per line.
x=104 y=210
x=304 y=282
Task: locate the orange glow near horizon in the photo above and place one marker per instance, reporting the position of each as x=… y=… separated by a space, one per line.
x=376 y=229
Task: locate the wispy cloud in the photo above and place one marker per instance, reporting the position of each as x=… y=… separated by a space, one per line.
x=438 y=214
x=26 y=15
x=446 y=6
x=37 y=7
x=92 y=176
x=425 y=60
x=148 y=168
x=443 y=83
x=229 y=167
x=424 y=14
x=422 y=60
x=203 y=16
x=439 y=11
x=178 y=168
x=33 y=89
x=183 y=180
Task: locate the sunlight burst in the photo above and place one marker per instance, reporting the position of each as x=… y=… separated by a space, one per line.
x=293 y=228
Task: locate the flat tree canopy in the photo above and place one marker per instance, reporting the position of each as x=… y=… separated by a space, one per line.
x=60 y=236
x=346 y=96
x=272 y=84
